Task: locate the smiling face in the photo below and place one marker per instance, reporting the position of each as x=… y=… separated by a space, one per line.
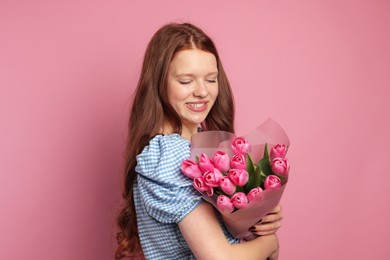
x=192 y=87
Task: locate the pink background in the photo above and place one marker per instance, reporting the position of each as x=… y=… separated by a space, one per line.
x=319 y=68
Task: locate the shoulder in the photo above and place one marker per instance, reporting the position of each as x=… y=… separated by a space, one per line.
x=166 y=193
x=163 y=154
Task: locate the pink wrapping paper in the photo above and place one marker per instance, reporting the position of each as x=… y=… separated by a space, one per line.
x=239 y=221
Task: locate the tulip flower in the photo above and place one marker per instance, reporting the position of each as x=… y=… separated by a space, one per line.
x=272 y=182
x=205 y=163
x=221 y=161
x=238 y=177
x=190 y=169
x=240 y=145
x=238 y=162
x=200 y=185
x=254 y=193
x=224 y=204
x=227 y=185
x=278 y=150
x=280 y=166
x=239 y=200
x=212 y=178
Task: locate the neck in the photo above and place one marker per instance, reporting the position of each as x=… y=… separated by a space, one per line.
x=188 y=132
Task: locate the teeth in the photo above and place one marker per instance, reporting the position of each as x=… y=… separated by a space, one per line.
x=197 y=105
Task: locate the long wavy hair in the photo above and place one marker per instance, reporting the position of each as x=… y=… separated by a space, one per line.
x=151 y=109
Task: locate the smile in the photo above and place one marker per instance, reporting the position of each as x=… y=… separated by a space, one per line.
x=197 y=107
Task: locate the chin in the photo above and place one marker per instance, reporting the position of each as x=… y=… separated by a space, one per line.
x=194 y=123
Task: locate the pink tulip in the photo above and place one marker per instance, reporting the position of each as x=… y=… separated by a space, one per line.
x=210 y=192
x=201 y=186
x=212 y=178
x=240 y=145
x=224 y=204
x=205 y=164
x=272 y=182
x=239 y=177
x=280 y=166
x=238 y=162
x=190 y=169
x=254 y=193
x=221 y=161
x=239 y=200
x=227 y=185
x=279 y=150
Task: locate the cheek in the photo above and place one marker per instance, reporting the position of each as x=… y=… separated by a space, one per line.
x=177 y=99
x=174 y=95
x=214 y=93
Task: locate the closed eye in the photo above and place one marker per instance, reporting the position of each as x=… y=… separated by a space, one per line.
x=185 y=82
x=211 y=80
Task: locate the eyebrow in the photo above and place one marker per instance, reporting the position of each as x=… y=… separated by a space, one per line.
x=214 y=73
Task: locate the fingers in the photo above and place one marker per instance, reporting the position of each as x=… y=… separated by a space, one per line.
x=275 y=215
x=277 y=209
x=270 y=223
x=266 y=228
x=272 y=217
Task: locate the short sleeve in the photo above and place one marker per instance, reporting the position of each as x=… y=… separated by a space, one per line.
x=168 y=195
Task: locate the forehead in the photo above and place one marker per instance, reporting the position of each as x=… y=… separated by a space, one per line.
x=193 y=61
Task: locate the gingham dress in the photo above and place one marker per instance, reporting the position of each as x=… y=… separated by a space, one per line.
x=163 y=196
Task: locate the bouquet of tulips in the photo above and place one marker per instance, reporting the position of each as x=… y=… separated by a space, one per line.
x=243 y=177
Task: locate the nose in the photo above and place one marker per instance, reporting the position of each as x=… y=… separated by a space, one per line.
x=201 y=89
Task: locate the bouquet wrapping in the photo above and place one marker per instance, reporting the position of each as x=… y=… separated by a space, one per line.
x=242 y=177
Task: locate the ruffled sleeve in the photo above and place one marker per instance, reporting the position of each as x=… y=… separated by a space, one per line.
x=168 y=195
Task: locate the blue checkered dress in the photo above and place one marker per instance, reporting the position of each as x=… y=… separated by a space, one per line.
x=163 y=196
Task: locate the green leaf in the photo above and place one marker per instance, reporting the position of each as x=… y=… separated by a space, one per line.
x=262 y=178
x=264 y=163
x=254 y=180
x=219 y=191
x=250 y=166
x=265 y=166
x=239 y=189
x=266 y=152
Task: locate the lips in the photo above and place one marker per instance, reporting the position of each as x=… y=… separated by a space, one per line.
x=197 y=106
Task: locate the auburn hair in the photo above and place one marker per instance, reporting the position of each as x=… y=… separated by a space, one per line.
x=151 y=109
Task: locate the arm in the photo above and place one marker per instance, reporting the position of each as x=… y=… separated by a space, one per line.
x=204 y=235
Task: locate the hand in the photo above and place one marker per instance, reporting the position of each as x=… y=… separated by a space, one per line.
x=270 y=223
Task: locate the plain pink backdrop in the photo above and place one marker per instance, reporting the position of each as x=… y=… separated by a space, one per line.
x=67 y=71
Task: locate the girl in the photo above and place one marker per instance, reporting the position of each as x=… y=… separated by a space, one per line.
x=182 y=88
